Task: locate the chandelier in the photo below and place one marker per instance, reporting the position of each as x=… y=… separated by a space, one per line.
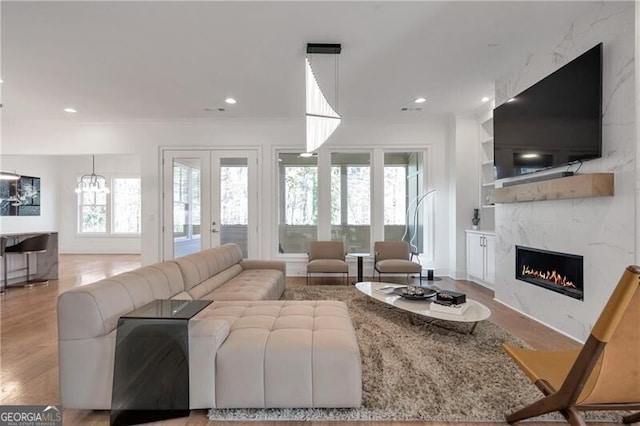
x=322 y=119
x=92 y=183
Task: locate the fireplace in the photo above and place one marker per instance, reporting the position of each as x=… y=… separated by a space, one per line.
x=559 y=272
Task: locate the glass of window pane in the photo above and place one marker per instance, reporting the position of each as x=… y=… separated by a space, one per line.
x=126 y=205
x=351 y=200
x=298 y=203
x=234 y=202
x=186 y=206
x=403 y=172
x=94 y=219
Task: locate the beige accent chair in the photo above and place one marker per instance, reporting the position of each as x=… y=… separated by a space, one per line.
x=394 y=257
x=603 y=375
x=327 y=257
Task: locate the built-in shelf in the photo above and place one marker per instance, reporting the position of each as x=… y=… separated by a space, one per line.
x=486 y=168
x=577 y=186
x=487 y=125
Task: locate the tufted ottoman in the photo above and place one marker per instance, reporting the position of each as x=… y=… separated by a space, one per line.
x=285 y=354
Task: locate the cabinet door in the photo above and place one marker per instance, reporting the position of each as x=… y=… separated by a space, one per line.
x=475 y=255
x=490 y=259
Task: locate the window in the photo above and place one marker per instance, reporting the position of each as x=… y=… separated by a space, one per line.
x=234 y=202
x=298 y=202
x=118 y=212
x=93 y=212
x=126 y=206
x=186 y=201
x=351 y=200
x=336 y=203
x=402 y=174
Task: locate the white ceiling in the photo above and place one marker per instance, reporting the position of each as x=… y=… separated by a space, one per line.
x=146 y=60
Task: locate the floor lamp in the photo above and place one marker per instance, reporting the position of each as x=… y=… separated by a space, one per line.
x=417 y=201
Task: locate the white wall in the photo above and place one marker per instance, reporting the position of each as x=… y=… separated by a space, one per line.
x=59 y=175
x=146 y=138
x=70 y=168
x=36 y=166
x=463 y=189
x=604 y=229
x=637 y=93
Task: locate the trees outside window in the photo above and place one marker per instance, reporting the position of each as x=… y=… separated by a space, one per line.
x=351 y=200
x=347 y=209
x=117 y=212
x=298 y=205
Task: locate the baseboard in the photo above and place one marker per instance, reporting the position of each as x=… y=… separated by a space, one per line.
x=481 y=283
x=538 y=321
x=456 y=276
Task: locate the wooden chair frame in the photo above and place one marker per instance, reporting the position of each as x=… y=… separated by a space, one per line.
x=565 y=399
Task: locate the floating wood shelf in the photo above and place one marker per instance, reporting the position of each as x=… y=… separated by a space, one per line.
x=577 y=186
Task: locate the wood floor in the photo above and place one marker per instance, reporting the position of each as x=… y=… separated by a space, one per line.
x=28 y=336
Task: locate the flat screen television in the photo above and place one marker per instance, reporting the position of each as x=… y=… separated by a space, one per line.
x=555 y=122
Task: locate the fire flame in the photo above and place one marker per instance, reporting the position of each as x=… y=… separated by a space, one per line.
x=552 y=276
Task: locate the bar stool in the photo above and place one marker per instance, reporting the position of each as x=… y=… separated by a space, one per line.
x=33 y=245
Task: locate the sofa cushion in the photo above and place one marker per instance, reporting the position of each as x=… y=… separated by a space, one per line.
x=252 y=284
x=199 y=267
x=93 y=310
x=327 y=265
x=286 y=354
x=200 y=291
x=398 y=266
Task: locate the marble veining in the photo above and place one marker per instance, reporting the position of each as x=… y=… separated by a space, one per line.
x=603 y=230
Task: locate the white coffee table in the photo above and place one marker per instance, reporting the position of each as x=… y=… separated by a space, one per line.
x=475 y=313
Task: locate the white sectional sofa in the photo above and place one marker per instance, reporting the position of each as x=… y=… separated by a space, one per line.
x=242 y=347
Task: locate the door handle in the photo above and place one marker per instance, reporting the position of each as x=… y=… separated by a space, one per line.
x=214 y=230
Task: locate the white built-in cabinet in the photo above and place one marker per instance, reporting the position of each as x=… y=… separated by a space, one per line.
x=481 y=258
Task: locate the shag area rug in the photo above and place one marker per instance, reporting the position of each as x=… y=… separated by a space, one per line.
x=429 y=371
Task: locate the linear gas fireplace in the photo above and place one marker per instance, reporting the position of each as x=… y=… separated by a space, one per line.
x=559 y=272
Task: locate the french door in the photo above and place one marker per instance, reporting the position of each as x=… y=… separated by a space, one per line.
x=209 y=198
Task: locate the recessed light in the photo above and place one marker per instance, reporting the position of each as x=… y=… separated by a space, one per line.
x=484 y=99
x=420 y=100
x=70 y=110
x=230 y=101
x=306 y=154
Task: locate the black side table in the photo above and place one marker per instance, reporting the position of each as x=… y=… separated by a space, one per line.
x=360 y=256
x=151 y=368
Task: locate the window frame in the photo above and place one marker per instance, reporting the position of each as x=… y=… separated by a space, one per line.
x=376 y=168
x=109 y=233
x=190 y=235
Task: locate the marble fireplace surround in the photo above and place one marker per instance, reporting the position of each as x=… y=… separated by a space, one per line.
x=602 y=229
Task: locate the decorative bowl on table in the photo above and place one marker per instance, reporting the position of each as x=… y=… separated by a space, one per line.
x=413 y=292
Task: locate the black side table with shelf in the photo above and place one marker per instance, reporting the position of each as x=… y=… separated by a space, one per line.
x=151 y=367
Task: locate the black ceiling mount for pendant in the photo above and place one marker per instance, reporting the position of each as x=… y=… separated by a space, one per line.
x=333 y=49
